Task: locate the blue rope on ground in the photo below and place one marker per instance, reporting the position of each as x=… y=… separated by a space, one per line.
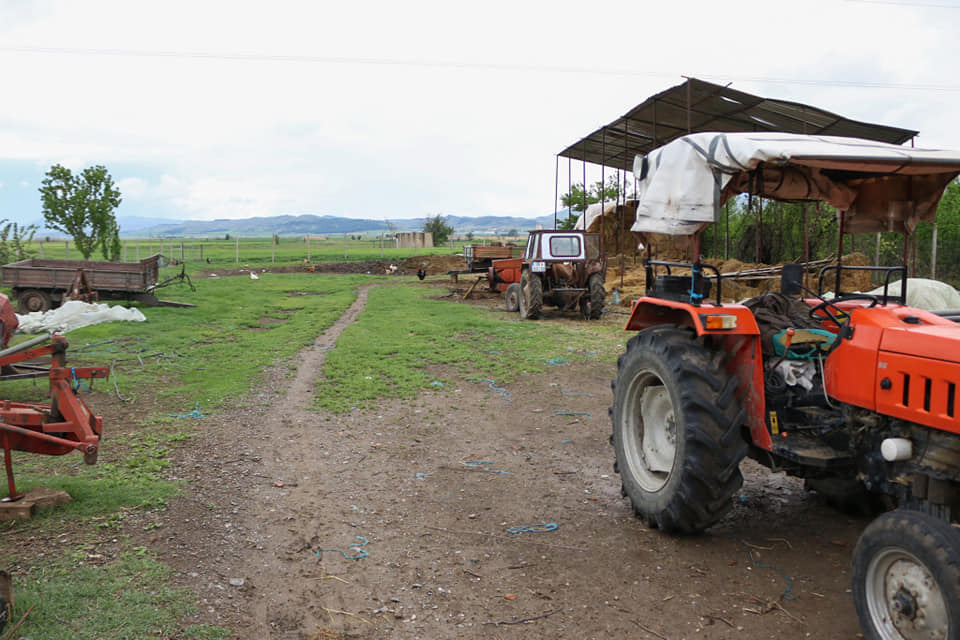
x=534 y=528
x=354 y=547
x=493 y=387
x=786 y=595
x=556 y=361
x=481 y=463
x=193 y=414
x=564 y=412
x=570 y=392
x=78 y=382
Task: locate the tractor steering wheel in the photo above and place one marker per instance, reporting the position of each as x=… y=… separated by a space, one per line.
x=841 y=316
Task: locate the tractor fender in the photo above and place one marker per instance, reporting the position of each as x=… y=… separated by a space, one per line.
x=649 y=312
x=741 y=340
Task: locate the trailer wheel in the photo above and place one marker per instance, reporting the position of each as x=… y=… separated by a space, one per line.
x=676 y=430
x=511 y=297
x=906 y=578
x=34 y=300
x=531 y=296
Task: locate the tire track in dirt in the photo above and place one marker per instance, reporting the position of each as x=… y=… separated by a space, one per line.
x=227 y=537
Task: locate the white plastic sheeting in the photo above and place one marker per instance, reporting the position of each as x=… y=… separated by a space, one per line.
x=75 y=314
x=880 y=187
x=922 y=293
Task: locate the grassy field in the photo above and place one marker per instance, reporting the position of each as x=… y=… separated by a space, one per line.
x=207 y=358
x=252 y=251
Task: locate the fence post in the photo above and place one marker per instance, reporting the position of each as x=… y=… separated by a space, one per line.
x=66 y=250
x=137 y=245
x=41 y=249
x=273 y=248
x=933 y=256
x=238 y=251
x=344 y=246
x=201 y=252
x=308 y=247
x=124 y=251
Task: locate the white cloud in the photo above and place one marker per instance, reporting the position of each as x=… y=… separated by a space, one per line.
x=401 y=109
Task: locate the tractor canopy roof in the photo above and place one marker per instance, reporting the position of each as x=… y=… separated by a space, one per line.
x=875 y=186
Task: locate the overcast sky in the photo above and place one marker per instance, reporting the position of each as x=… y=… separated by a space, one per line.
x=392 y=110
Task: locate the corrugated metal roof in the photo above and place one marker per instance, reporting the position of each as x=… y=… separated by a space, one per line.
x=697 y=106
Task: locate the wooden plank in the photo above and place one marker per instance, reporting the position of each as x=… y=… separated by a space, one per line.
x=18 y=510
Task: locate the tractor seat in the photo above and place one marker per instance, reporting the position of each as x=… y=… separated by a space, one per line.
x=803 y=344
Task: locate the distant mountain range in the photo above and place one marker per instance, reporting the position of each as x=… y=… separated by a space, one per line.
x=318 y=225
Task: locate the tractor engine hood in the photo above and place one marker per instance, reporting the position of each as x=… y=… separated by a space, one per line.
x=934 y=341
x=876 y=186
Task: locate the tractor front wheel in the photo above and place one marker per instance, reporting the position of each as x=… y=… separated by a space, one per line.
x=531 y=296
x=676 y=430
x=906 y=578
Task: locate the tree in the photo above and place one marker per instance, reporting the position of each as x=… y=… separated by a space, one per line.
x=438 y=226
x=82 y=206
x=14 y=241
x=576 y=200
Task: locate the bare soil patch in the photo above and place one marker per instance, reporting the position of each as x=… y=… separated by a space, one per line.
x=396 y=523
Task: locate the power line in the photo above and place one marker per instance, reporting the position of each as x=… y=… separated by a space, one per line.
x=479 y=66
x=909 y=3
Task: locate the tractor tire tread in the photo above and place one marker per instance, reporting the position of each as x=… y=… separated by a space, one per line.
x=709 y=473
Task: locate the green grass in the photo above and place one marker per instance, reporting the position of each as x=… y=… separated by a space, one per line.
x=403 y=337
x=213 y=253
x=213 y=353
x=210 y=357
x=128 y=597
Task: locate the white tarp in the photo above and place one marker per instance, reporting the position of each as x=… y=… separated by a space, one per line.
x=922 y=293
x=74 y=314
x=593 y=212
x=881 y=187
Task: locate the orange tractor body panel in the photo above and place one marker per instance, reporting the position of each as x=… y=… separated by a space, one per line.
x=505 y=272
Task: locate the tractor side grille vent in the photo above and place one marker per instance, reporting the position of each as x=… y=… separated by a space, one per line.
x=927 y=387
x=906 y=389
x=951 y=394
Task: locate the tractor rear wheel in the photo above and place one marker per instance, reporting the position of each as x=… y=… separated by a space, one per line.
x=531 y=296
x=676 y=430
x=906 y=578
x=597 y=295
x=511 y=297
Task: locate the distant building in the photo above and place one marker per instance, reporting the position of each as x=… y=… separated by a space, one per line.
x=414 y=240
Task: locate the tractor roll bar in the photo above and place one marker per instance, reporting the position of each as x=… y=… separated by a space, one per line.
x=901 y=269
x=696 y=274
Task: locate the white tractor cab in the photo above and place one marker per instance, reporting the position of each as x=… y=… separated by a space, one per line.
x=868 y=409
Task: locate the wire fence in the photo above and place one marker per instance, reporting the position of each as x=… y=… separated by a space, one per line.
x=253 y=250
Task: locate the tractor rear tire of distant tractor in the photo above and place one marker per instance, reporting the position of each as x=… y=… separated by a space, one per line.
x=906 y=578
x=531 y=296
x=597 y=295
x=676 y=430
x=32 y=300
x=511 y=297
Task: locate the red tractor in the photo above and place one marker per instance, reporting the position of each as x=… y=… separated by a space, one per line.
x=63 y=425
x=856 y=393
x=565 y=269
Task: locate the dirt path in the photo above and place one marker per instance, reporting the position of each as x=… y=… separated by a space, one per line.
x=277 y=494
